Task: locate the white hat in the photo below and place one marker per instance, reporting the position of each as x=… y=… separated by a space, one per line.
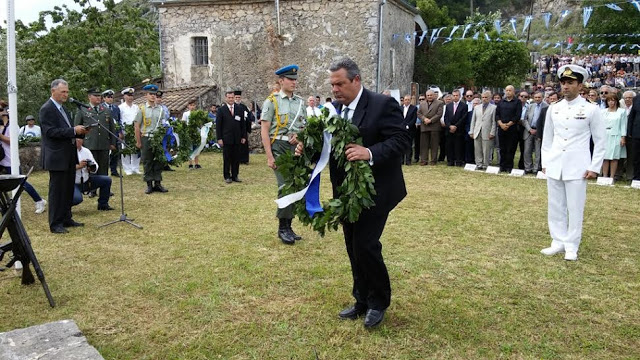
x=573 y=72
x=128 y=90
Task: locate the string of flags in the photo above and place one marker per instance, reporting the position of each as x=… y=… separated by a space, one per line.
x=497 y=24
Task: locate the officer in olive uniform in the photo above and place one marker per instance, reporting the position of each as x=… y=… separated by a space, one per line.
x=99 y=141
x=148 y=119
x=107 y=97
x=283 y=116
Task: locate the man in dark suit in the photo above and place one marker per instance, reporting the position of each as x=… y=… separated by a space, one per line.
x=384 y=140
x=455 y=115
x=59 y=156
x=410 y=114
x=552 y=98
x=231 y=132
x=633 y=133
x=249 y=119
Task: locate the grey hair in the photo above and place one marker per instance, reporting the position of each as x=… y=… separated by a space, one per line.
x=56 y=82
x=487 y=93
x=539 y=92
x=633 y=94
x=349 y=65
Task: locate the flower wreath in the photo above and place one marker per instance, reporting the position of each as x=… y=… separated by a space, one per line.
x=356 y=191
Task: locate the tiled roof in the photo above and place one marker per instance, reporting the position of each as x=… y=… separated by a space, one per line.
x=176 y=99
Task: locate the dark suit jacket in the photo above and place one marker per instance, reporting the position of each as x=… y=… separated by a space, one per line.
x=633 y=122
x=541 y=120
x=228 y=128
x=379 y=119
x=433 y=112
x=58 y=151
x=410 y=119
x=458 y=119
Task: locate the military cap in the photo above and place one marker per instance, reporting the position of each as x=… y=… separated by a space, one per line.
x=29 y=117
x=150 y=88
x=127 y=91
x=574 y=72
x=237 y=92
x=159 y=93
x=94 y=91
x=289 y=71
x=107 y=93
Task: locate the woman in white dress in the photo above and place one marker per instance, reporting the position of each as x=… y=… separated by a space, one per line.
x=616 y=123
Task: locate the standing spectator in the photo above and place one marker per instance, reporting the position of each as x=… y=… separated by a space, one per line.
x=430 y=114
x=523 y=96
x=231 y=132
x=312 y=109
x=567 y=162
x=185 y=117
x=483 y=130
x=507 y=115
x=5 y=163
x=128 y=112
x=114 y=156
x=455 y=115
x=213 y=109
x=447 y=99
x=592 y=97
x=633 y=133
x=627 y=105
x=410 y=114
x=248 y=120
x=99 y=141
x=532 y=143
x=616 y=125
x=31 y=129
x=471 y=100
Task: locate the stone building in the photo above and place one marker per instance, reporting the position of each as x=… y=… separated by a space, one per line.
x=238 y=44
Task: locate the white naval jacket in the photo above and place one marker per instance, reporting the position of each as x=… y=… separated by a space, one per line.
x=565 y=144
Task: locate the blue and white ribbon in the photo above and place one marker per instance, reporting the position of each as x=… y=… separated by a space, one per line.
x=170 y=139
x=527 y=22
x=586 y=14
x=312 y=191
x=613 y=6
x=204 y=134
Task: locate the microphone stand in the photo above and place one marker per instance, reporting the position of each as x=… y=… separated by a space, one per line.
x=123 y=216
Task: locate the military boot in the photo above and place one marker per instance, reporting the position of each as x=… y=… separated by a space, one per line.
x=284 y=234
x=159 y=188
x=149 y=187
x=293 y=234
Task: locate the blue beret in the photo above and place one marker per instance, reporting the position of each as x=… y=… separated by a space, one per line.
x=150 y=88
x=289 y=71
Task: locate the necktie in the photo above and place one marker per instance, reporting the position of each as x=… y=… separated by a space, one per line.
x=536 y=115
x=345 y=113
x=455 y=107
x=95 y=108
x=231 y=109
x=64 y=115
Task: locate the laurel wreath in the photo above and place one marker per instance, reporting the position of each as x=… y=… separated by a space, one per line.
x=356 y=191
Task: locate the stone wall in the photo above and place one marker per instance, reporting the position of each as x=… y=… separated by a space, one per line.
x=396 y=71
x=245 y=47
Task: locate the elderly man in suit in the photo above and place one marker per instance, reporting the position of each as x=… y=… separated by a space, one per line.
x=530 y=125
x=567 y=162
x=633 y=133
x=483 y=130
x=59 y=156
x=455 y=115
x=429 y=114
x=384 y=141
x=231 y=132
x=410 y=114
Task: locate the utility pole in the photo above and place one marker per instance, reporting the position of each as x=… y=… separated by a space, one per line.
x=529 y=28
x=471 y=7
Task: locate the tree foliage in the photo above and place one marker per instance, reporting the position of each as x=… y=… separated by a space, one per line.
x=606 y=21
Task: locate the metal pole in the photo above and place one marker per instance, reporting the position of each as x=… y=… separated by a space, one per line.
x=12 y=91
x=380 y=20
x=471 y=7
x=278 y=14
x=529 y=28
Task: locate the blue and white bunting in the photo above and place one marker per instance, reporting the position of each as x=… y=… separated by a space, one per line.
x=467 y=27
x=635 y=3
x=579 y=46
x=547 y=18
x=613 y=6
x=455 y=28
x=513 y=25
x=527 y=22
x=498 y=27
x=475 y=36
x=586 y=14
x=601 y=46
x=424 y=34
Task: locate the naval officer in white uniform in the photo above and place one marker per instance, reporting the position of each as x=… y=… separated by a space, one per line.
x=567 y=162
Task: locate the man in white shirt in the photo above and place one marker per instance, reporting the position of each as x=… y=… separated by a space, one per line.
x=128 y=112
x=312 y=109
x=87 y=180
x=31 y=129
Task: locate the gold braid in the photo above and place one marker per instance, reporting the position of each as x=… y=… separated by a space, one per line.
x=279 y=124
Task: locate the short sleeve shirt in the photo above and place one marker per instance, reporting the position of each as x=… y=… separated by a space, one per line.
x=149 y=118
x=290 y=110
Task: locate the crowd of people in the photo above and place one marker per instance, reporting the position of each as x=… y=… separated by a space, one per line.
x=616 y=70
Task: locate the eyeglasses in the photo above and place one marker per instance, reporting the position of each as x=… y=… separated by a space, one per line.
x=604 y=93
x=524 y=96
x=421 y=99
x=469 y=95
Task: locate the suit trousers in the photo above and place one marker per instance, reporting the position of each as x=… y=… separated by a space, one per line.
x=532 y=146
x=371 y=285
x=455 y=149
x=408 y=155
x=230 y=160
x=278 y=148
x=635 y=146
x=61 y=185
x=566 y=199
x=152 y=167
x=482 y=150
x=508 y=146
x=443 y=144
x=102 y=158
x=416 y=142
x=429 y=143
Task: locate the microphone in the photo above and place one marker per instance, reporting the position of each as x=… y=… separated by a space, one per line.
x=78 y=103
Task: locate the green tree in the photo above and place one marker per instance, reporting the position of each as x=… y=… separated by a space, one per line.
x=606 y=21
x=109 y=48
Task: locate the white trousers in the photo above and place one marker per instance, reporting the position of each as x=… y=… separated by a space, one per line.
x=566 y=208
x=131 y=164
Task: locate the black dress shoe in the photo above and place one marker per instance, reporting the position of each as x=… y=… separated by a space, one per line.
x=353 y=312
x=373 y=318
x=228 y=181
x=236 y=180
x=286 y=237
x=72 y=223
x=59 y=230
x=160 y=188
x=115 y=174
x=105 y=207
x=149 y=189
x=198 y=166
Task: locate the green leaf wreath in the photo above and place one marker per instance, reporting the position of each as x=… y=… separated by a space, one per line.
x=356 y=191
x=130 y=140
x=180 y=153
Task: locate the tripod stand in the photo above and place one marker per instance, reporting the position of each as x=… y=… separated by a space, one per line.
x=123 y=216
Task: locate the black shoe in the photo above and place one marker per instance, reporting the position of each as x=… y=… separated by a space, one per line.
x=373 y=318
x=105 y=207
x=115 y=174
x=59 y=230
x=72 y=223
x=190 y=166
x=159 y=188
x=236 y=180
x=228 y=181
x=198 y=166
x=353 y=312
x=293 y=234
x=167 y=168
x=93 y=194
x=284 y=234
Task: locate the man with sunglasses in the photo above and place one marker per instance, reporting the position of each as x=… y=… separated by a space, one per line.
x=604 y=91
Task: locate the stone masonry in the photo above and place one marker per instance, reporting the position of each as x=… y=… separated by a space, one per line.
x=245 y=45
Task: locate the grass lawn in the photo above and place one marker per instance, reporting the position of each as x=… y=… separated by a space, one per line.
x=207 y=277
